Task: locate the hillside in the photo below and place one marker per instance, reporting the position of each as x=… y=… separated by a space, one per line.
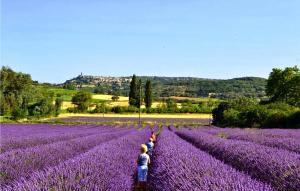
x=174 y=86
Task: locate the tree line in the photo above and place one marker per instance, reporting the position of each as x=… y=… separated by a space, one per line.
x=21 y=98
x=280 y=110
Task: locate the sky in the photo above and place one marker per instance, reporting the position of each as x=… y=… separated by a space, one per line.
x=55 y=40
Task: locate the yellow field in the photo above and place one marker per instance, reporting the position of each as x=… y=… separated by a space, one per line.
x=145 y=115
x=123 y=101
x=193 y=98
x=118 y=103
x=68 y=104
x=108 y=97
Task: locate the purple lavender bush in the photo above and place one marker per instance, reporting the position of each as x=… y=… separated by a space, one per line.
x=22 y=162
x=23 y=136
x=278 y=167
x=178 y=165
x=109 y=166
x=259 y=136
x=281 y=143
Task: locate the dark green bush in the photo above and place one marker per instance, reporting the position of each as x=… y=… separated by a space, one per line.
x=118 y=109
x=231 y=118
x=19 y=113
x=43 y=108
x=276 y=120
x=218 y=113
x=247 y=113
x=294 y=120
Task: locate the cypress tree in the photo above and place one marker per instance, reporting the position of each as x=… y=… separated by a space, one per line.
x=148 y=94
x=133 y=94
x=139 y=94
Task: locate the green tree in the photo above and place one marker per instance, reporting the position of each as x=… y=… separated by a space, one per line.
x=101 y=108
x=133 y=93
x=148 y=94
x=171 y=105
x=58 y=104
x=294 y=90
x=13 y=86
x=218 y=113
x=284 y=85
x=18 y=113
x=82 y=100
x=43 y=108
x=139 y=95
x=69 y=86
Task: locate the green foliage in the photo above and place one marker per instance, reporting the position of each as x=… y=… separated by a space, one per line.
x=100 y=90
x=13 y=89
x=243 y=103
x=82 y=100
x=148 y=94
x=134 y=92
x=240 y=113
x=73 y=110
x=139 y=98
x=101 y=108
x=58 y=104
x=284 y=85
x=186 y=106
x=251 y=118
x=294 y=120
x=131 y=109
x=118 y=109
x=19 y=113
x=231 y=115
x=43 y=108
x=69 y=86
x=21 y=97
x=171 y=105
x=218 y=113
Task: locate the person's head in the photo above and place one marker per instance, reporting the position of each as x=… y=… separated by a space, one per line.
x=150 y=140
x=144 y=148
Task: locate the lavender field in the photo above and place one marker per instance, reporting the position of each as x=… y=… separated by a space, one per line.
x=103 y=157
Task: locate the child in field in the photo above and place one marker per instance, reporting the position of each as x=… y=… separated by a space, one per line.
x=150 y=146
x=143 y=161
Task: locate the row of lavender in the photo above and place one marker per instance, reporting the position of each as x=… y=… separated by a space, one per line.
x=22 y=162
x=177 y=165
x=72 y=163
x=23 y=136
x=282 y=139
x=278 y=167
x=21 y=130
x=108 y=166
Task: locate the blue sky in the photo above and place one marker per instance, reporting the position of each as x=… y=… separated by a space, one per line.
x=55 y=40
